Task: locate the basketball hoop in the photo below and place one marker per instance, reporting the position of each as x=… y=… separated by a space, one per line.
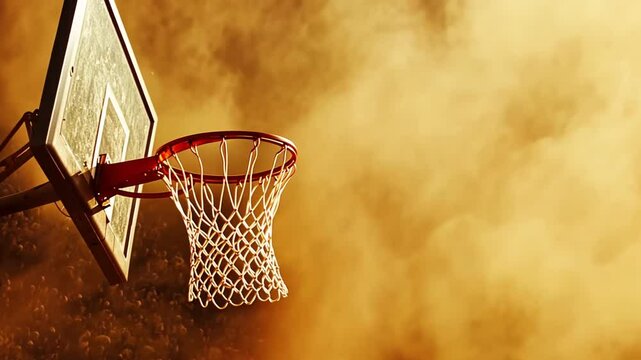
x=86 y=133
x=228 y=217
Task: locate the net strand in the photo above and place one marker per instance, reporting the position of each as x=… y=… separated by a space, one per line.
x=229 y=226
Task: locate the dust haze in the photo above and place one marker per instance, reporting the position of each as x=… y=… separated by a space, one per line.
x=468 y=185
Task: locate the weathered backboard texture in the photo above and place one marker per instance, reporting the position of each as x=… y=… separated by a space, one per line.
x=94 y=102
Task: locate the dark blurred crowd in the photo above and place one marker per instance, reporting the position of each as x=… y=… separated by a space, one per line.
x=55 y=303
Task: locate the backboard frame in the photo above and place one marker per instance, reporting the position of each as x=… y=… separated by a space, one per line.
x=76 y=189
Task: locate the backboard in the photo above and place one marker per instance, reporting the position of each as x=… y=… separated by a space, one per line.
x=94 y=102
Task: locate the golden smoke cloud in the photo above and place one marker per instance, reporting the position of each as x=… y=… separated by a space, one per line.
x=468 y=184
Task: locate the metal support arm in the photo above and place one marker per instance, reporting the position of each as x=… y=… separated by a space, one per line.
x=14 y=161
x=112 y=178
x=40 y=195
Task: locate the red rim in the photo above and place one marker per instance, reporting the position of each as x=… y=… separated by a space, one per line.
x=185 y=143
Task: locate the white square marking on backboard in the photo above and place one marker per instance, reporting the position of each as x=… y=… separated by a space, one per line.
x=110 y=100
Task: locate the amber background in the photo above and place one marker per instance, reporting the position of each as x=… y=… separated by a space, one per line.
x=468 y=185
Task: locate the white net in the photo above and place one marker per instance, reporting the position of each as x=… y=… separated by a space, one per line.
x=229 y=225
